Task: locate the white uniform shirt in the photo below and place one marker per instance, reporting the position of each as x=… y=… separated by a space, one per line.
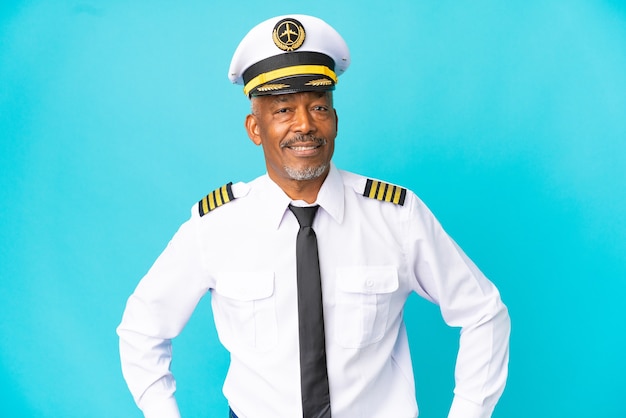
x=373 y=254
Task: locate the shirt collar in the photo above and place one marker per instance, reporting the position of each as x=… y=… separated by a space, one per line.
x=330 y=197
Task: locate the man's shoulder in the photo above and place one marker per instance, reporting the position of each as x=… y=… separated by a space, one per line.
x=374 y=188
x=222 y=195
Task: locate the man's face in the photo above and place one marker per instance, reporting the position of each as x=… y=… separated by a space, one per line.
x=297 y=132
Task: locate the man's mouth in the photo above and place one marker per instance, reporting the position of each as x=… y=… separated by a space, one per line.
x=303 y=148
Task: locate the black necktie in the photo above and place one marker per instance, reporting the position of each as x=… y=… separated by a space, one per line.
x=313 y=373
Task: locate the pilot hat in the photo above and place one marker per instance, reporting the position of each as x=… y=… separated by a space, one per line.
x=289 y=54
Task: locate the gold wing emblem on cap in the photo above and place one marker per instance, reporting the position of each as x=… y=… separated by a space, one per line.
x=385 y=192
x=288 y=34
x=319 y=82
x=272 y=87
x=216 y=198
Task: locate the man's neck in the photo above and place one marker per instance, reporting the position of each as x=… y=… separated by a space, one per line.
x=306 y=190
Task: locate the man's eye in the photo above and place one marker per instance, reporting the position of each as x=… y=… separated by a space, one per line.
x=283 y=110
x=320 y=108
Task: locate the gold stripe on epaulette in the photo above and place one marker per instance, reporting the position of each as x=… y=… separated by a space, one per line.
x=384 y=192
x=215 y=199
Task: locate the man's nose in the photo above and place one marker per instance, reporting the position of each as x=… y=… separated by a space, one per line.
x=303 y=122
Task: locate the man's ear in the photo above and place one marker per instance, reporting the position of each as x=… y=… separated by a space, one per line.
x=252 y=128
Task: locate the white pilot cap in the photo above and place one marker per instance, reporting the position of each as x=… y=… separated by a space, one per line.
x=289 y=54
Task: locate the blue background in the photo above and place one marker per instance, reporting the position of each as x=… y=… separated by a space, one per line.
x=507 y=118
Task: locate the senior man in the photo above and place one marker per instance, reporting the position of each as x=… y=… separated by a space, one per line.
x=309 y=267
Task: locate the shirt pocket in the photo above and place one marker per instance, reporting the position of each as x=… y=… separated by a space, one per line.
x=247 y=306
x=363 y=297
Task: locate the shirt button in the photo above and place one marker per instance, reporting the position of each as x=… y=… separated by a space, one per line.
x=369 y=283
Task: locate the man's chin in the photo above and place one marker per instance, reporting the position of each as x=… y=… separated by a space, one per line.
x=306 y=173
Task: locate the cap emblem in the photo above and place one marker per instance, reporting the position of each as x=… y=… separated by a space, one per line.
x=288 y=34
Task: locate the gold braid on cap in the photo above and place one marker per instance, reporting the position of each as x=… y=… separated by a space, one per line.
x=272 y=87
x=320 y=82
x=289 y=71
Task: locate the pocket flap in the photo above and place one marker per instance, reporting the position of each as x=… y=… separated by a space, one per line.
x=245 y=285
x=367 y=279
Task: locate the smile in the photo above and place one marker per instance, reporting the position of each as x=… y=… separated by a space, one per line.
x=304 y=148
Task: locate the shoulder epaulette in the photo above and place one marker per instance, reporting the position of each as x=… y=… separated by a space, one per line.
x=385 y=192
x=215 y=199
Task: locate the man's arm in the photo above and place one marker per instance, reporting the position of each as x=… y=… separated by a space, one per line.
x=155 y=313
x=482 y=361
x=467 y=299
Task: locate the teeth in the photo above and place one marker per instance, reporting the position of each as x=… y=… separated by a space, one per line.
x=302 y=148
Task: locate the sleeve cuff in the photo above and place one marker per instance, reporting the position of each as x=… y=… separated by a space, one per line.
x=462 y=408
x=165 y=408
